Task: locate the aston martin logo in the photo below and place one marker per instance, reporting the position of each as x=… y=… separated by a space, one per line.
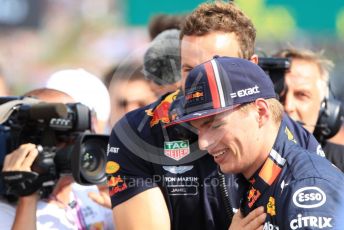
x=178 y=169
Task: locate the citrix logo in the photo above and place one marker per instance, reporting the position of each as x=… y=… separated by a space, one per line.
x=310 y=221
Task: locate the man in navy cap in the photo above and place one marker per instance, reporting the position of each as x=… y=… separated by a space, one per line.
x=240 y=124
x=157 y=177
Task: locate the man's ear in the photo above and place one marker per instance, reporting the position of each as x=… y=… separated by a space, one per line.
x=263 y=111
x=254 y=59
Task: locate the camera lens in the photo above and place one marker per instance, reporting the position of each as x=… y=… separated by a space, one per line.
x=89 y=161
x=93 y=159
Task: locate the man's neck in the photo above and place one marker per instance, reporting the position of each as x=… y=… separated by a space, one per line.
x=266 y=143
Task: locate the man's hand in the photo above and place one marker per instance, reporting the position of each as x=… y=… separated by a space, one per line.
x=21 y=159
x=253 y=221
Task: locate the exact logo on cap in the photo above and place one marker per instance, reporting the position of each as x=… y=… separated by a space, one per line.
x=246 y=92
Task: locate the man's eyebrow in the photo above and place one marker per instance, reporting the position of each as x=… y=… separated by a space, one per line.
x=186 y=65
x=208 y=121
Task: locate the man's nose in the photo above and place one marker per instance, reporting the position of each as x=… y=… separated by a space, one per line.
x=205 y=141
x=289 y=103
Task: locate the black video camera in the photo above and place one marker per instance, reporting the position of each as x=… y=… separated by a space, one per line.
x=275 y=68
x=66 y=144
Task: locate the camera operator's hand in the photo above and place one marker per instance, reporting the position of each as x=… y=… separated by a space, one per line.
x=20 y=159
x=17 y=175
x=253 y=221
x=102 y=198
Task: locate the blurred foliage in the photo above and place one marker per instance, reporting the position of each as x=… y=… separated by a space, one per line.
x=138 y=12
x=283 y=19
x=272 y=22
x=340 y=24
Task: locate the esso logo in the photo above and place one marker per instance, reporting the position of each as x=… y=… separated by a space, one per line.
x=309 y=197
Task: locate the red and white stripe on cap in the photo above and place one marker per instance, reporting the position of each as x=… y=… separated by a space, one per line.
x=215 y=84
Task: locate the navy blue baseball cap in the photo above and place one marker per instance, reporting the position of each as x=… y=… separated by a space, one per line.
x=222 y=84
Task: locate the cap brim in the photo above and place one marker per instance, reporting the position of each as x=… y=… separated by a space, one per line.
x=199 y=114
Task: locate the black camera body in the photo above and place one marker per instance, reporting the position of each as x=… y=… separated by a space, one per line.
x=276 y=69
x=65 y=142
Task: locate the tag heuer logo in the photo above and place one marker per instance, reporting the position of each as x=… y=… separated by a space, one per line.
x=176 y=149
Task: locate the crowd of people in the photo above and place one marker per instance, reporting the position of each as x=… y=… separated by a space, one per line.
x=198 y=137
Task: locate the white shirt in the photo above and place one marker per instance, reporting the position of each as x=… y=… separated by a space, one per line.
x=7 y=215
x=50 y=216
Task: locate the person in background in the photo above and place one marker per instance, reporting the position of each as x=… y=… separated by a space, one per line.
x=128 y=90
x=86 y=88
x=239 y=122
x=307 y=83
x=4 y=89
x=161 y=62
x=68 y=206
x=162 y=22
